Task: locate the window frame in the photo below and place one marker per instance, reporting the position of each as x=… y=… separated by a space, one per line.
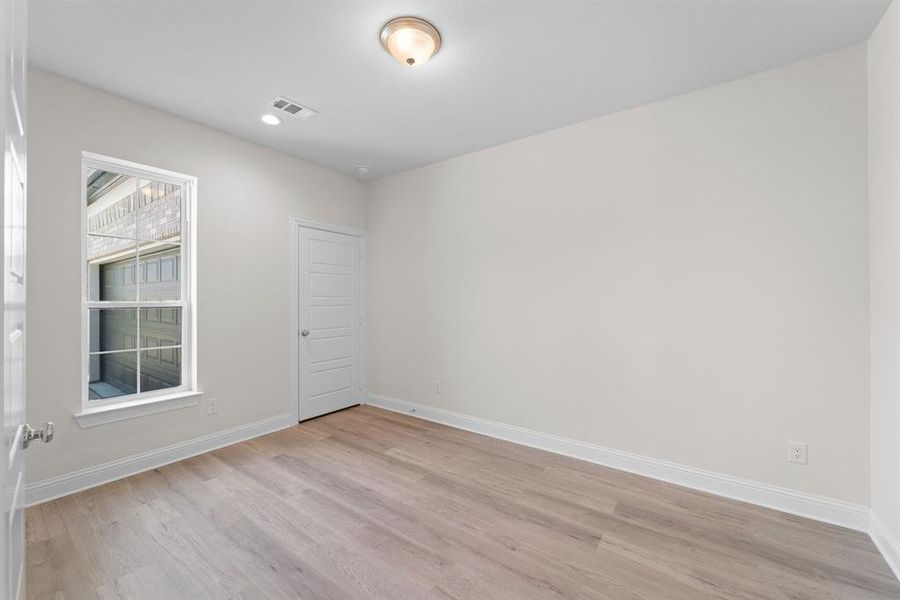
x=188 y=287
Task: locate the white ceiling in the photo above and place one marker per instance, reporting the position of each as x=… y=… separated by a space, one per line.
x=506 y=70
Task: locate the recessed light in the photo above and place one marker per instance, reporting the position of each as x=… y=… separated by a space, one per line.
x=410 y=40
x=362 y=169
x=270 y=119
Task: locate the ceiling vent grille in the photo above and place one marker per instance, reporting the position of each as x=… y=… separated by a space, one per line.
x=294 y=109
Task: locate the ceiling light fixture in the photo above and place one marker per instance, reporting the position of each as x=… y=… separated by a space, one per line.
x=270 y=119
x=362 y=169
x=410 y=40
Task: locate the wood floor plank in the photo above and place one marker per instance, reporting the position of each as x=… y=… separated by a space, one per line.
x=368 y=504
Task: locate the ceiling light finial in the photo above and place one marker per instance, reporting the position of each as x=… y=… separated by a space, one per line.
x=410 y=40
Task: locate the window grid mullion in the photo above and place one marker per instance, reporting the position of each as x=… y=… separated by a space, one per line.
x=137 y=278
x=111 y=304
x=124 y=350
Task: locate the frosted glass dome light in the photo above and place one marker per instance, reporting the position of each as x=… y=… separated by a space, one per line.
x=410 y=40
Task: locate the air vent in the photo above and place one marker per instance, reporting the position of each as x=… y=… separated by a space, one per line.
x=294 y=109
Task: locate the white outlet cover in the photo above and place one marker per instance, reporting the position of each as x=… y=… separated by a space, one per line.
x=797 y=452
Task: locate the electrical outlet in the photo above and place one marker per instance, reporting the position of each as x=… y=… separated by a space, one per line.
x=212 y=407
x=797 y=452
x=437 y=386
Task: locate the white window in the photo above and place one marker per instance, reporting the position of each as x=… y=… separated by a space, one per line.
x=137 y=280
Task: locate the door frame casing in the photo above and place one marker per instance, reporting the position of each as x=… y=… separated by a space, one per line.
x=294 y=225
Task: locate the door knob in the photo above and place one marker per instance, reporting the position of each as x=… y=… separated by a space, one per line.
x=305 y=332
x=29 y=434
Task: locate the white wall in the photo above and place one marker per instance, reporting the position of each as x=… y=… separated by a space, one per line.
x=686 y=280
x=884 y=266
x=246 y=195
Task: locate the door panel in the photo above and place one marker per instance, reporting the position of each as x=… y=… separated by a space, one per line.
x=328 y=252
x=329 y=284
x=14 y=173
x=330 y=381
x=330 y=353
x=329 y=349
x=330 y=317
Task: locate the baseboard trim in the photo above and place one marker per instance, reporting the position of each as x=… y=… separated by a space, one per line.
x=886 y=542
x=828 y=510
x=70 y=483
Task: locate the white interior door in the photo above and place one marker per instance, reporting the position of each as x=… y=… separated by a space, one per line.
x=12 y=131
x=330 y=320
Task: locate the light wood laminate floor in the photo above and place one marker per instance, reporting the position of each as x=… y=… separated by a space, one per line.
x=366 y=503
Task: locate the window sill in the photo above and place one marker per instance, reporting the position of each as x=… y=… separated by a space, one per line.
x=136 y=408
